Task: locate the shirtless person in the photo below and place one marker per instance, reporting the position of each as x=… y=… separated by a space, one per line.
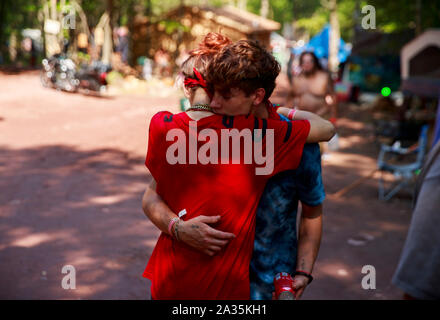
x=312 y=89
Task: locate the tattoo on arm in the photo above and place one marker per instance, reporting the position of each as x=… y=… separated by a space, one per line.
x=193 y=226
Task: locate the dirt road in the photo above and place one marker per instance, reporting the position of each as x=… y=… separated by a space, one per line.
x=72 y=178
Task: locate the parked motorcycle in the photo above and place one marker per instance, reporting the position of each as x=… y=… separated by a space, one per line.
x=61 y=73
x=93 y=78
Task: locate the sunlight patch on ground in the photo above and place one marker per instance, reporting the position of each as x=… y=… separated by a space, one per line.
x=363 y=164
x=335 y=270
x=32 y=240
x=110 y=199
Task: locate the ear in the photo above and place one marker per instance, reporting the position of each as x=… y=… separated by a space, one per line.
x=259 y=96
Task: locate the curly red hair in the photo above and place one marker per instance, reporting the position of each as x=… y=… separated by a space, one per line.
x=201 y=56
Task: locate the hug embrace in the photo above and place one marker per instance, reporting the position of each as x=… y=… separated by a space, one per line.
x=227 y=177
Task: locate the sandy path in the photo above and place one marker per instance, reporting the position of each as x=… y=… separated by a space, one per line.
x=72 y=178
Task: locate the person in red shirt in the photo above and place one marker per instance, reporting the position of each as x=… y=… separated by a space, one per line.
x=196 y=173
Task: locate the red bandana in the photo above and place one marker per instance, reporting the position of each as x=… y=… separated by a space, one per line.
x=197 y=82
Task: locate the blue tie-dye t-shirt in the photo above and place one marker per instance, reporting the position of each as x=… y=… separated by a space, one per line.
x=275 y=244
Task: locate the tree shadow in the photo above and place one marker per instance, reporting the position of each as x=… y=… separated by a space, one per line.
x=63 y=206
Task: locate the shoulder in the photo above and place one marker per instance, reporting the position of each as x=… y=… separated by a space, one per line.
x=160 y=122
x=162 y=116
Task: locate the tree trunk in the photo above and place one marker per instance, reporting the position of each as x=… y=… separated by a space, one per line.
x=52 y=40
x=418 y=17
x=333 y=61
x=131 y=16
x=264 y=11
x=242 y=4
x=53 y=9
x=2 y=27
x=148 y=9
x=107 y=48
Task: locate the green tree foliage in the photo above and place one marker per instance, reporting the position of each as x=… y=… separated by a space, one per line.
x=16 y=15
x=399 y=15
x=310 y=15
x=391 y=16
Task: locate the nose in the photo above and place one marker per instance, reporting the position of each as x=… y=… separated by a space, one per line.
x=216 y=101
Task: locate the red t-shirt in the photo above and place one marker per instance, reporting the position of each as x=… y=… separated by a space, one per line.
x=231 y=190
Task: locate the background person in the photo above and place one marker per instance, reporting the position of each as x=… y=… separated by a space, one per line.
x=417 y=273
x=312 y=90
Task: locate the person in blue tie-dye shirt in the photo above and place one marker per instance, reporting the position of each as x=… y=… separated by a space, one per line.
x=276 y=245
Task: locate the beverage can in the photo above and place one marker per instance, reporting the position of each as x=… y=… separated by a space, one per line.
x=283 y=283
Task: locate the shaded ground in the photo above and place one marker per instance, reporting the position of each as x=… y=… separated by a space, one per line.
x=72 y=178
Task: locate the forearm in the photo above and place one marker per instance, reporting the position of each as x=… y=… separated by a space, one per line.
x=310 y=232
x=320 y=129
x=302 y=115
x=194 y=232
x=156 y=209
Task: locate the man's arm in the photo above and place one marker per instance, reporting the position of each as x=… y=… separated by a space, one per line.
x=310 y=231
x=320 y=129
x=195 y=232
x=156 y=209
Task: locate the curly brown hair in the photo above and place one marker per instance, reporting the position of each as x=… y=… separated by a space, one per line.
x=200 y=57
x=245 y=65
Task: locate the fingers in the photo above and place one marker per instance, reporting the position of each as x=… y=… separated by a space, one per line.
x=299 y=293
x=220 y=234
x=215 y=248
x=213 y=232
x=218 y=242
x=212 y=250
x=299 y=286
x=209 y=219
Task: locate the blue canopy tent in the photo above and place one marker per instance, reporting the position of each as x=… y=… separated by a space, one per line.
x=319 y=44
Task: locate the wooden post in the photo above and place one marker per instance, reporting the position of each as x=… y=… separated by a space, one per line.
x=333 y=61
x=264 y=11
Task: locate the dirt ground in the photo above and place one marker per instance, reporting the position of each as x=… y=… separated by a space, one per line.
x=72 y=177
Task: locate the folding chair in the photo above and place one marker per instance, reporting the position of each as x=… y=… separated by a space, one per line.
x=404 y=173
